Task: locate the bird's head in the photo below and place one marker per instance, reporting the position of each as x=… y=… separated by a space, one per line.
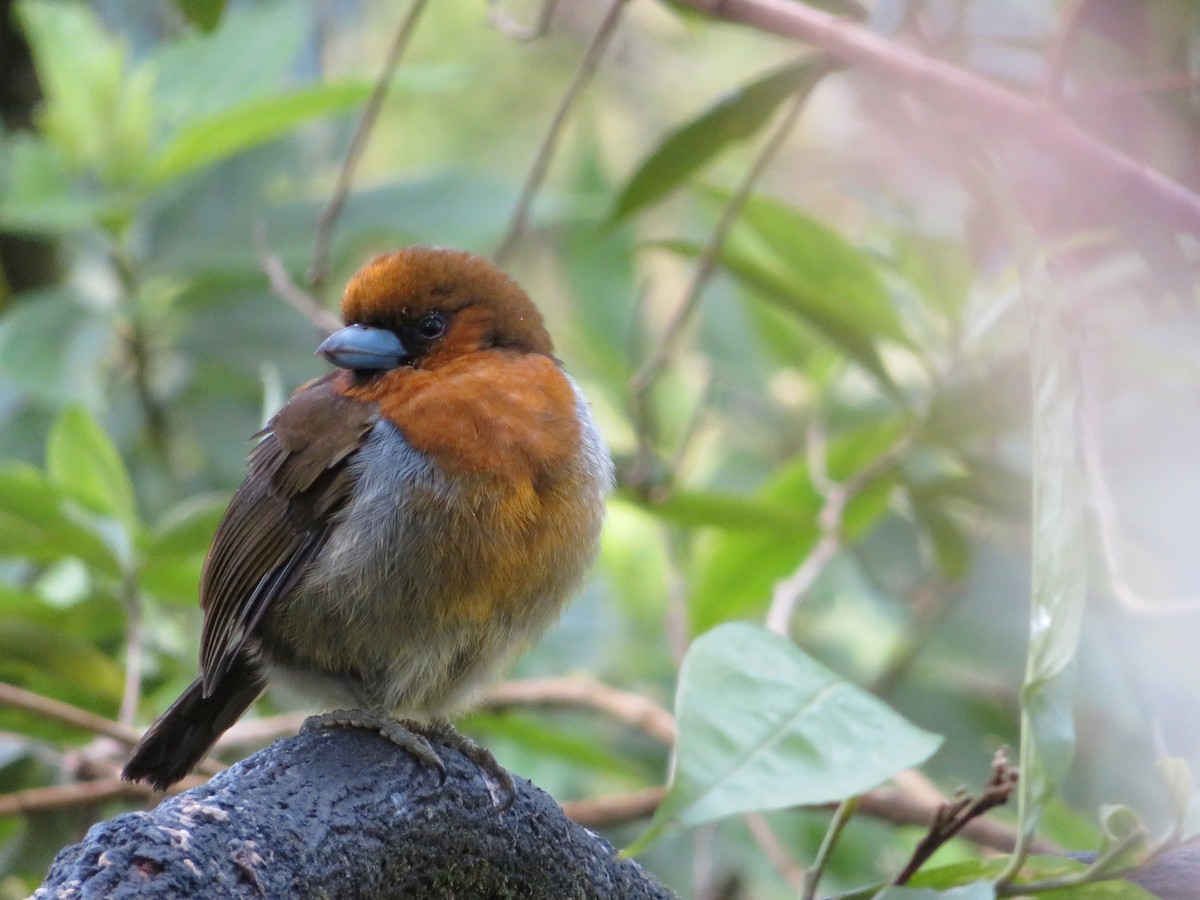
x=422 y=307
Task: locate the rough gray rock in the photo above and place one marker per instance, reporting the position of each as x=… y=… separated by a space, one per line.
x=345 y=813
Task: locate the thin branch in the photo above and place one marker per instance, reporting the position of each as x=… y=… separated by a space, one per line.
x=318 y=272
x=952 y=89
x=616 y=809
x=57 y=711
x=634 y=710
x=775 y=852
x=951 y=818
x=1096 y=871
x=812 y=877
x=67 y=796
x=644 y=379
x=283 y=287
x=507 y=25
x=791 y=590
x=541 y=163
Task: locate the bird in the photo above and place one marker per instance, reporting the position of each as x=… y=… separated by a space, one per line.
x=409 y=520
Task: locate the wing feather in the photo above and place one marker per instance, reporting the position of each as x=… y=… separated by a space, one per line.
x=281 y=516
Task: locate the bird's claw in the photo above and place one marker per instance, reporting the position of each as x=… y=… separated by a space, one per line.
x=405 y=734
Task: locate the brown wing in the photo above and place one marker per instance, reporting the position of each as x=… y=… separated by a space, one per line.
x=280 y=517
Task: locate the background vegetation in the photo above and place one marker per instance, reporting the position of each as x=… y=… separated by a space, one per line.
x=863 y=320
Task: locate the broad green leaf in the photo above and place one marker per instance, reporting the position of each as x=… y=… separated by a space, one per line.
x=209 y=140
x=188 y=527
x=42 y=655
x=35 y=524
x=203 y=75
x=768 y=282
x=55 y=349
x=694 y=509
x=736 y=570
x=37 y=193
x=82 y=461
x=1059 y=556
x=828 y=269
x=735 y=117
x=763 y=726
x=980 y=890
x=96 y=113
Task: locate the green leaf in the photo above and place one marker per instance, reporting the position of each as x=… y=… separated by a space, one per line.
x=35 y=524
x=202 y=14
x=1059 y=556
x=82 y=461
x=203 y=75
x=736 y=570
x=38 y=195
x=212 y=139
x=54 y=349
x=96 y=113
x=830 y=271
x=763 y=726
x=764 y=279
x=694 y=509
x=42 y=656
x=735 y=117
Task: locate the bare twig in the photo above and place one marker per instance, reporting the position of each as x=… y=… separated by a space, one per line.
x=506 y=24
x=56 y=710
x=541 y=163
x=634 y=710
x=955 y=90
x=617 y=809
x=288 y=291
x=789 y=592
x=644 y=379
x=318 y=272
x=951 y=818
x=84 y=793
x=775 y=852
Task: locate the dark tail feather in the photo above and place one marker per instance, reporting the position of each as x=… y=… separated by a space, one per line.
x=185 y=733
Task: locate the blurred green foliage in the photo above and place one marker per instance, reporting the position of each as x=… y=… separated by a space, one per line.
x=848 y=416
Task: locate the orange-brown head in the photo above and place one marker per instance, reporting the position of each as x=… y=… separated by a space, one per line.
x=423 y=307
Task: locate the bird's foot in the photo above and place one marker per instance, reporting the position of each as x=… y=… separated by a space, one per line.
x=498 y=779
x=403 y=733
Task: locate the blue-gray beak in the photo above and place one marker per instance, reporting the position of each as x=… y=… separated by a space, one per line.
x=363 y=347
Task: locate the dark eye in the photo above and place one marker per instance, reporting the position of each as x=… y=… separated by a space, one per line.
x=433 y=326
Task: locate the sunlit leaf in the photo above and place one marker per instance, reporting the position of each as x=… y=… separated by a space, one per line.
x=83 y=462
x=36 y=525
x=206 y=141
x=737 y=568
x=764 y=726
x=819 y=312
x=735 y=117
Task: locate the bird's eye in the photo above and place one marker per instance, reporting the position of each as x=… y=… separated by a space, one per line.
x=433 y=326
